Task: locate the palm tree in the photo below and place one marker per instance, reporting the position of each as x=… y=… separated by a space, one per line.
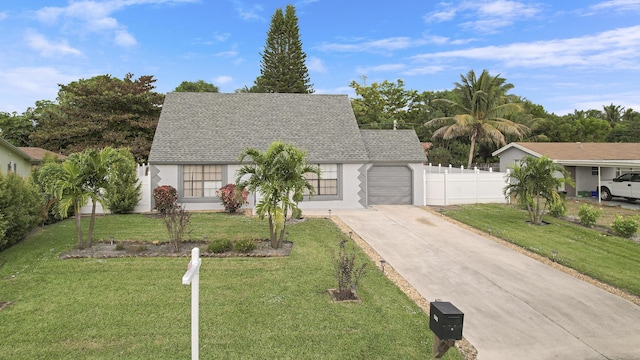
x=64 y=182
x=279 y=176
x=613 y=113
x=535 y=185
x=95 y=166
x=481 y=107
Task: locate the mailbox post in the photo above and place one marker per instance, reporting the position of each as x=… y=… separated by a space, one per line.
x=445 y=320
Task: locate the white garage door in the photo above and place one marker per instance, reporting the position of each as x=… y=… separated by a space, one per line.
x=389 y=185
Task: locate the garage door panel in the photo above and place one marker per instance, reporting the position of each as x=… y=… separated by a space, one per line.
x=389 y=185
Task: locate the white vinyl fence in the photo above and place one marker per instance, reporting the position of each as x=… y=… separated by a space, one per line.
x=453 y=186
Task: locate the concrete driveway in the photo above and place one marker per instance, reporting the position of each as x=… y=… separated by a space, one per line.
x=515 y=307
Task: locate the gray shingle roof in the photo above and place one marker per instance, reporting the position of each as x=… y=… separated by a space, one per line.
x=393 y=146
x=216 y=127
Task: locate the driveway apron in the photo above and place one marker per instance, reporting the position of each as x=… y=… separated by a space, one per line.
x=514 y=307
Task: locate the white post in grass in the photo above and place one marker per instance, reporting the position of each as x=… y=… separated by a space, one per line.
x=192 y=276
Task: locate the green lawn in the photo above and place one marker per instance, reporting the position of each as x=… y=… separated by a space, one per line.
x=610 y=259
x=136 y=308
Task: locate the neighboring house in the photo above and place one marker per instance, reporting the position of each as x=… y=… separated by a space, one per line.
x=200 y=136
x=37 y=154
x=587 y=163
x=14 y=160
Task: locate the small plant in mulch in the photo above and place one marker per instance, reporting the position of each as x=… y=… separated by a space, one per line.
x=588 y=215
x=219 y=246
x=625 y=226
x=245 y=245
x=119 y=246
x=348 y=274
x=177 y=220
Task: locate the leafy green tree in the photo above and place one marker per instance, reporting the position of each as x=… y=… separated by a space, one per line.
x=481 y=107
x=380 y=104
x=99 y=112
x=122 y=193
x=591 y=130
x=196 y=86
x=282 y=68
x=535 y=184
x=15 y=128
x=628 y=130
x=278 y=175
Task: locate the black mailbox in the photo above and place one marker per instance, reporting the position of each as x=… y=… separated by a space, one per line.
x=446 y=320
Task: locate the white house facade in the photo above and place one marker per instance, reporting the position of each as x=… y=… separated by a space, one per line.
x=200 y=136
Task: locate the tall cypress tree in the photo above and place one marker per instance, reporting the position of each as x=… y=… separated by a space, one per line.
x=283 y=69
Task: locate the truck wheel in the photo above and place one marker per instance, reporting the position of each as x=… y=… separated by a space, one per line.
x=605 y=194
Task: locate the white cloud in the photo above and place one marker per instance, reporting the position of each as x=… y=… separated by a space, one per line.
x=250 y=14
x=485 y=16
x=226 y=54
x=222 y=80
x=447 y=13
x=38 y=42
x=315 y=64
x=617 y=5
x=424 y=70
x=124 y=38
x=586 y=101
x=619 y=48
x=381 y=45
x=380 y=68
x=95 y=16
x=23 y=86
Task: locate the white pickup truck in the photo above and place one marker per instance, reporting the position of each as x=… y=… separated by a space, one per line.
x=626 y=186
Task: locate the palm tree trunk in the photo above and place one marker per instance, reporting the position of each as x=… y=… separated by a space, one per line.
x=472 y=149
x=91 y=223
x=76 y=210
x=272 y=234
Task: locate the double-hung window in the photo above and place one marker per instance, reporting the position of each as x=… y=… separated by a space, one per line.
x=201 y=181
x=327 y=183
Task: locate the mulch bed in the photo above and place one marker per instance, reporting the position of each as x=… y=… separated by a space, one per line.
x=105 y=249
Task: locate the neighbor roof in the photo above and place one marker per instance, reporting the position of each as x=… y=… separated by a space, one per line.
x=577 y=150
x=216 y=127
x=37 y=154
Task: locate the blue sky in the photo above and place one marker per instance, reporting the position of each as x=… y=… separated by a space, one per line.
x=563 y=55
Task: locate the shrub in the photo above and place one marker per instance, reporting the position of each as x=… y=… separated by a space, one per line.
x=123 y=190
x=166 y=198
x=625 y=226
x=347 y=273
x=558 y=208
x=119 y=246
x=231 y=198
x=588 y=215
x=244 y=245
x=296 y=213
x=218 y=246
x=48 y=212
x=19 y=208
